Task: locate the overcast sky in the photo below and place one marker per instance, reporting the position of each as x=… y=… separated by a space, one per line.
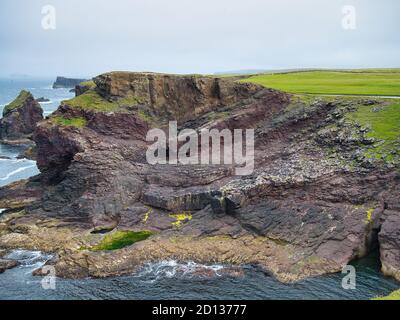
x=185 y=36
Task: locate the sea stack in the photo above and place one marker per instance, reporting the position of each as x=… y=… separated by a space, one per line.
x=20 y=118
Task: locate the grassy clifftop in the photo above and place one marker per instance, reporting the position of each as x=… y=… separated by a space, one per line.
x=378 y=82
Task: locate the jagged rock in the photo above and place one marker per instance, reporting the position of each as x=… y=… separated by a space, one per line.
x=20 y=118
x=20 y=194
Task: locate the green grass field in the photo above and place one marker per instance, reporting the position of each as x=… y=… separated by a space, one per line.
x=379 y=82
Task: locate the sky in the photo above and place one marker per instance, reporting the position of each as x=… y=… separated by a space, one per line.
x=186 y=36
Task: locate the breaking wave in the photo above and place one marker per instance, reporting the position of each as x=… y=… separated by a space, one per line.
x=29 y=259
x=168 y=269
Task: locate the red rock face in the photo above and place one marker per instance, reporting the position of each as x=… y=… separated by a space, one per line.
x=20 y=122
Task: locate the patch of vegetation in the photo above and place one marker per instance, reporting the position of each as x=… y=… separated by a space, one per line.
x=143 y=115
x=384 y=125
x=18 y=102
x=78 y=122
x=120 y=239
x=89 y=84
x=147 y=215
x=369 y=216
x=393 y=296
x=180 y=218
x=91 y=100
x=361 y=82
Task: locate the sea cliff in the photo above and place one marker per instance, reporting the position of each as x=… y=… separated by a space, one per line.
x=324 y=190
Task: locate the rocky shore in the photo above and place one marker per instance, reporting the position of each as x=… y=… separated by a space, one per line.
x=323 y=193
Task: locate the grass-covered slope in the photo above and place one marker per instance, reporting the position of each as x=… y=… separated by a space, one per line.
x=357 y=82
x=91 y=100
x=69 y=122
x=383 y=124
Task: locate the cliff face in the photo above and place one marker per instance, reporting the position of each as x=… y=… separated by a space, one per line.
x=180 y=98
x=20 y=117
x=315 y=201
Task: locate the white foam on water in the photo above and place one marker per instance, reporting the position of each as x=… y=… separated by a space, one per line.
x=29 y=259
x=12 y=173
x=152 y=272
x=46 y=102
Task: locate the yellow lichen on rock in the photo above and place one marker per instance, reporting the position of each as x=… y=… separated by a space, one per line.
x=180 y=218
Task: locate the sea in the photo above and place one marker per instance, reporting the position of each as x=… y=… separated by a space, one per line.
x=165 y=279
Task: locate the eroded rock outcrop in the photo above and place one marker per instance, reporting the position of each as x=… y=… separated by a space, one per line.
x=315 y=201
x=20 y=118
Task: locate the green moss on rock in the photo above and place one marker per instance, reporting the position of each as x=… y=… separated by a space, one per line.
x=89 y=84
x=120 y=239
x=145 y=116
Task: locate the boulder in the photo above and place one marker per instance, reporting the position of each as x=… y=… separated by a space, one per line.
x=7 y=264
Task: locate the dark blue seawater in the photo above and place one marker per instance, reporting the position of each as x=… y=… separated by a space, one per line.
x=167 y=279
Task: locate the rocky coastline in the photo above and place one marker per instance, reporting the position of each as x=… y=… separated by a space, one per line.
x=323 y=193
